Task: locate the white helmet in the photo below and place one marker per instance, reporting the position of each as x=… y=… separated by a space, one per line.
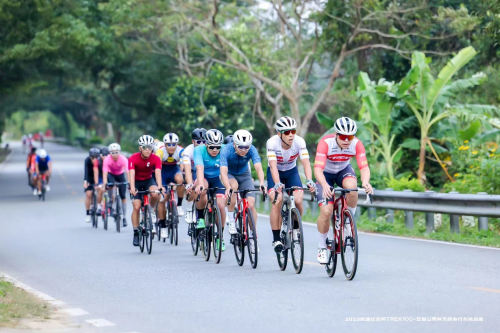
x=42 y=153
x=214 y=137
x=114 y=147
x=171 y=138
x=146 y=140
x=242 y=138
x=30 y=135
x=158 y=145
x=285 y=123
x=345 y=126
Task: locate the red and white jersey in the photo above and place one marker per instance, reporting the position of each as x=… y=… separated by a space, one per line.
x=286 y=159
x=187 y=156
x=331 y=158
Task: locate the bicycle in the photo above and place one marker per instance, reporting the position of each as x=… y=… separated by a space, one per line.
x=106 y=210
x=117 y=213
x=245 y=227
x=192 y=231
x=212 y=233
x=44 y=187
x=291 y=237
x=171 y=216
x=342 y=237
x=93 y=207
x=146 y=223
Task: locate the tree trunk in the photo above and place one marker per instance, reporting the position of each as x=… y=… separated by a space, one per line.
x=295 y=113
x=118 y=135
x=421 y=162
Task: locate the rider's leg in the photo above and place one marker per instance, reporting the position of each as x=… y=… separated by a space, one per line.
x=135 y=213
x=230 y=210
x=251 y=204
x=275 y=215
x=299 y=197
x=180 y=189
x=100 y=192
x=352 y=197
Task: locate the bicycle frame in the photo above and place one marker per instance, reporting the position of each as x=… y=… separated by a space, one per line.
x=339 y=203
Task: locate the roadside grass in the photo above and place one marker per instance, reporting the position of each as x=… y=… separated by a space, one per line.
x=17 y=304
x=469 y=234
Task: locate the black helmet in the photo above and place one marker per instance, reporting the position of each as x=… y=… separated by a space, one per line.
x=33 y=150
x=198 y=134
x=228 y=139
x=94 y=152
x=104 y=151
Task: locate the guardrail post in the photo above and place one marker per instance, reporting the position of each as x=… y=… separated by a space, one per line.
x=266 y=205
x=408 y=216
x=372 y=213
x=483 y=220
x=357 y=215
x=258 y=201
x=454 y=220
x=390 y=212
x=429 y=219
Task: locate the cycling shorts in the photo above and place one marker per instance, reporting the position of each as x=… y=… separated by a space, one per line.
x=332 y=179
x=215 y=182
x=289 y=178
x=168 y=175
x=118 y=179
x=245 y=182
x=143 y=185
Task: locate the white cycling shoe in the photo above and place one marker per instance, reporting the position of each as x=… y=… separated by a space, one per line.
x=323 y=256
x=87 y=219
x=180 y=211
x=188 y=218
x=35 y=192
x=164 y=233
x=47 y=188
x=232 y=228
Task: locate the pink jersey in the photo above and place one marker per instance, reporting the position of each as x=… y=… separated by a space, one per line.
x=115 y=168
x=333 y=159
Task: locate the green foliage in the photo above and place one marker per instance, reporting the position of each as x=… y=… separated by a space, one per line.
x=95 y=140
x=405 y=183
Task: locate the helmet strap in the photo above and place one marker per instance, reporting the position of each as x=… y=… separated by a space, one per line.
x=281 y=137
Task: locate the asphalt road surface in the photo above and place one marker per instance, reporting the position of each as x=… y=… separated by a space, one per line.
x=48 y=246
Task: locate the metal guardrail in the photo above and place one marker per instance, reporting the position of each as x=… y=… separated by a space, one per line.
x=455 y=204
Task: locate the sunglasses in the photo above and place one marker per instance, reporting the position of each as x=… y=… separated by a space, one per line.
x=115 y=153
x=288 y=132
x=171 y=144
x=214 y=147
x=243 y=147
x=343 y=137
x=147 y=147
x=200 y=142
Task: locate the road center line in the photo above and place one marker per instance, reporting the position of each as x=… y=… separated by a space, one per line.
x=497 y=291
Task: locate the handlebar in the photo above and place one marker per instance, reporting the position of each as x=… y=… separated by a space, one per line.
x=209 y=189
x=369 y=197
x=146 y=192
x=290 y=190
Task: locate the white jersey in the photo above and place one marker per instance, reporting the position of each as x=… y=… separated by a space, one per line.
x=286 y=158
x=171 y=159
x=187 y=156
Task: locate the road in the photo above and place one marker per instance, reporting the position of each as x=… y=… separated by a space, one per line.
x=48 y=246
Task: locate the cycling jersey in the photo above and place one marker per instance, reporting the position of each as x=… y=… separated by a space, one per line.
x=187 y=156
x=143 y=167
x=210 y=163
x=286 y=159
x=43 y=164
x=89 y=170
x=333 y=159
x=235 y=163
x=31 y=161
x=115 y=167
x=170 y=160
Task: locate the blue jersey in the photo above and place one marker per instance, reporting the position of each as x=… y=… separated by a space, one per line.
x=236 y=164
x=210 y=163
x=43 y=164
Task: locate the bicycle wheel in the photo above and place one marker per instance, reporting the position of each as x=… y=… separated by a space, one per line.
x=148 y=224
x=349 y=246
x=206 y=240
x=118 y=213
x=238 y=241
x=170 y=221
x=296 y=240
x=94 y=210
x=251 y=241
x=157 y=224
x=217 y=234
x=332 y=248
x=105 y=213
x=195 y=242
x=175 y=224
x=283 y=255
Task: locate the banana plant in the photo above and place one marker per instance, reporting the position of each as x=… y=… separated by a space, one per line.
x=431 y=100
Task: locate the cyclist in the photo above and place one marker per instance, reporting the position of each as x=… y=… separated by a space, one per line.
x=235 y=172
x=24 y=140
x=207 y=162
x=114 y=168
x=43 y=166
x=30 y=168
x=283 y=150
x=141 y=166
x=197 y=138
x=29 y=140
x=171 y=154
x=91 y=178
x=332 y=166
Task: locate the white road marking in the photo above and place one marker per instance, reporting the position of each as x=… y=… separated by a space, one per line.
x=57 y=303
x=309 y=224
x=100 y=322
x=75 y=311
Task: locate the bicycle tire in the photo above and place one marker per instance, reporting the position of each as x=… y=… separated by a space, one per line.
x=297 y=246
x=170 y=222
x=251 y=241
x=148 y=224
x=283 y=255
x=94 y=209
x=239 y=241
x=331 y=266
x=142 y=237
x=157 y=224
x=349 y=241
x=105 y=213
x=206 y=240
x=195 y=242
x=175 y=224
x=217 y=233
x=118 y=213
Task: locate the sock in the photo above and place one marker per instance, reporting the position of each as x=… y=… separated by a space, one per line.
x=179 y=201
x=124 y=209
x=352 y=211
x=98 y=206
x=136 y=230
x=276 y=235
x=163 y=223
x=322 y=240
x=229 y=216
x=88 y=212
x=200 y=213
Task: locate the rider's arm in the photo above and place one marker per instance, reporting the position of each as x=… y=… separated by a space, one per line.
x=304 y=157
x=189 y=176
x=86 y=172
x=272 y=161
x=224 y=167
x=200 y=173
x=36 y=168
x=198 y=162
x=362 y=163
x=95 y=168
x=320 y=163
x=260 y=173
x=50 y=167
x=131 y=180
x=307 y=168
x=223 y=176
x=105 y=170
x=157 y=166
